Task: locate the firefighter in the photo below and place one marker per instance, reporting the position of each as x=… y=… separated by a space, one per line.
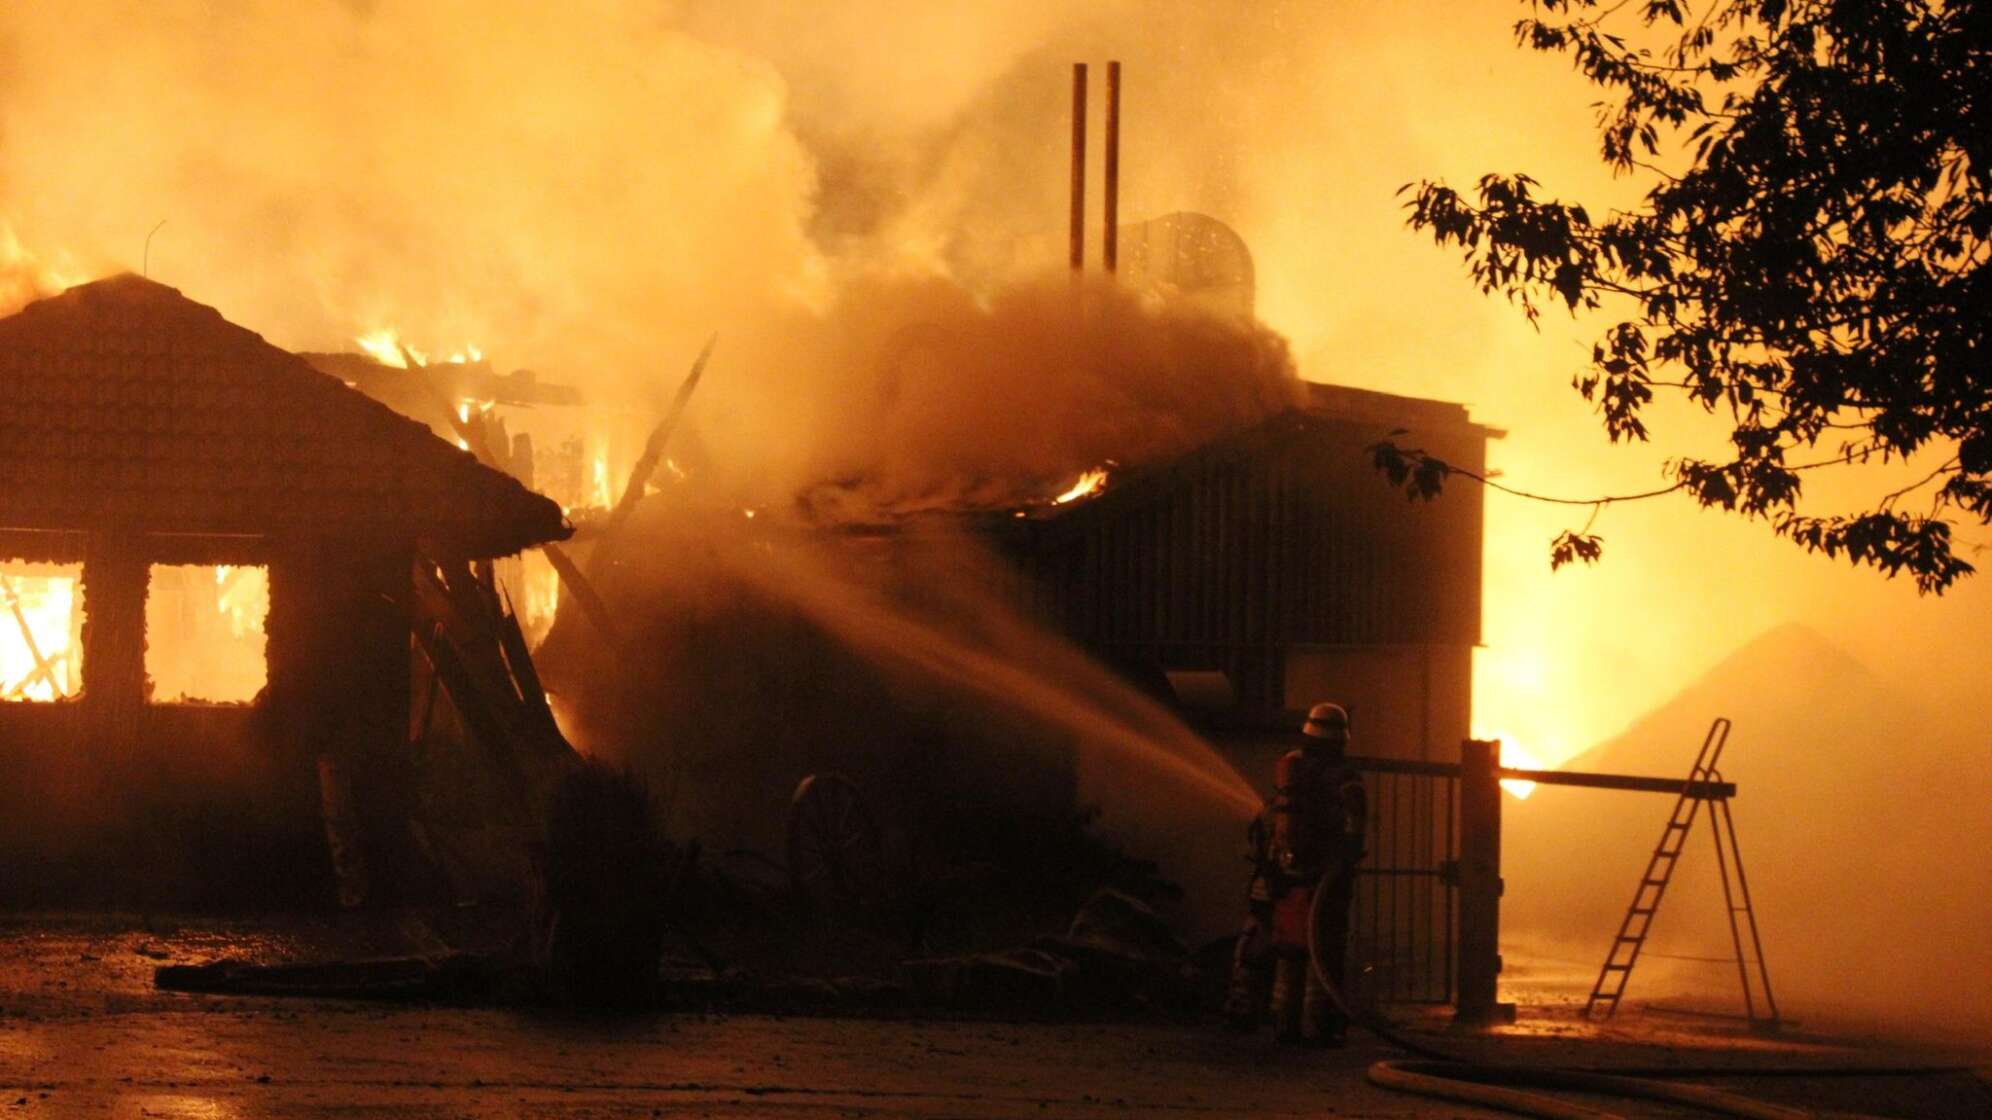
x=1252 y=956
x=1309 y=840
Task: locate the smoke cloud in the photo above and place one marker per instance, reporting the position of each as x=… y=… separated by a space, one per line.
x=910 y=393
x=850 y=196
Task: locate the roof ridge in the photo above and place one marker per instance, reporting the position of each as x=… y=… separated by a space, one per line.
x=136 y=404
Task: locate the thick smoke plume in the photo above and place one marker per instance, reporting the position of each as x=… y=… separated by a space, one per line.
x=571 y=184
x=913 y=393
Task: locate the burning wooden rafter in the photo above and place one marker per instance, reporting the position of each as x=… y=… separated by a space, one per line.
x=646 y=464
x=571 y=576
x=477 y=653
x=44 y=667
x=466 y=628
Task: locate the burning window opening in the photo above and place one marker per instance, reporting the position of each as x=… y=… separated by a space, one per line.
x=205 y=639
x=41 y=632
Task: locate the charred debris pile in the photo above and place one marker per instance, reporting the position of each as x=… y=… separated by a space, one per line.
x=996 y=903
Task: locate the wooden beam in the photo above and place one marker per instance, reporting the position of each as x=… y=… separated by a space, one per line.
x=569 y=572
x=1706 y=791
x=43 y=669
x=646 y=465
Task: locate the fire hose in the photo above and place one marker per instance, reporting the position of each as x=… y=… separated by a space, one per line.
x=1503 y=1085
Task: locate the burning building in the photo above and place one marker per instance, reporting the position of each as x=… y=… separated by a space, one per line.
x=1266 y=571
x=1013 y=658
x=1273 y=568
x=205 y=585
x=208 y=545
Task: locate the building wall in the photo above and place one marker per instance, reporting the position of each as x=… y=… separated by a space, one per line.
x=1410 y=701
x=108 y=797
x=1285 y=543
x=1283 y=559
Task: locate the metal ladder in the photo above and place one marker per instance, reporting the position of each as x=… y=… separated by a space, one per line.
x=1638 y=921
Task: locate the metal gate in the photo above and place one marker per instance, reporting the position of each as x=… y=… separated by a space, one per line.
x=1404 y=921
x=1427 y=921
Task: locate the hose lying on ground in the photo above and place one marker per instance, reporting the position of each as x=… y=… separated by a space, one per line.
x=1498 y=1085
x=1491 y=1085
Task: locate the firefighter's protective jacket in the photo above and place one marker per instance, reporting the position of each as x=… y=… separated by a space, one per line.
x=1319 y=814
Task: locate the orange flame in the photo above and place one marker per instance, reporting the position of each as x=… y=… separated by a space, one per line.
x=26 y=276
x=1518 y=757
x=243 y=594
x=1085 y=486
x=540 y=602
x=603 y=494
x=39 y=655
x=204 y=629
x=385 y=346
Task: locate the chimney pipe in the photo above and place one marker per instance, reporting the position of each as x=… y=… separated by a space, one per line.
x=1078 y=166
x=1111 y=187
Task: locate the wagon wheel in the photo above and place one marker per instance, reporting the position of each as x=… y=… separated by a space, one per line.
x=836 y=852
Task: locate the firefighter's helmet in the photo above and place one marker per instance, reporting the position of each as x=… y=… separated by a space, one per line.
x=1327 y=721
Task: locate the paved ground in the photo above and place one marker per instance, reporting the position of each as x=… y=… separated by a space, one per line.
x=83 y=1033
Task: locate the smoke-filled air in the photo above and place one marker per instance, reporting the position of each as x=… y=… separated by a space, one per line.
x=864 y=202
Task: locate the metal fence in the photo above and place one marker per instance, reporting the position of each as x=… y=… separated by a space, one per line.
x=1404 y=921
x=1427 y=919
